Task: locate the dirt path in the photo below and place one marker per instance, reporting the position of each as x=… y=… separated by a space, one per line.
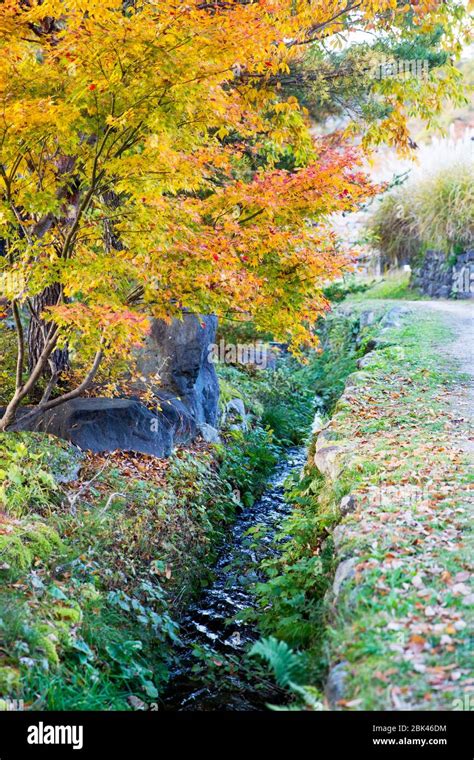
x=459 y=317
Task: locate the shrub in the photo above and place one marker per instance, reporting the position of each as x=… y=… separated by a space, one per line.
x=436 y=211
x=26 y=483
x=248 y=460
x=394 y=229
x=327 y=375
x=444 y=208
x=21 y=543
x=279 y=399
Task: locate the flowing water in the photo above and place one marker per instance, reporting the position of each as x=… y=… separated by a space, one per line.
x=210 y=623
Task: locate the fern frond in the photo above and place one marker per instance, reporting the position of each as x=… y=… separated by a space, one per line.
x=285 y=664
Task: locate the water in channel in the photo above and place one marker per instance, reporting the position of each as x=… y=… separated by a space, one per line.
x=210 y=623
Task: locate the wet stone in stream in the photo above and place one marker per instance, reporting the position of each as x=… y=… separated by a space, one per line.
x=212 y=638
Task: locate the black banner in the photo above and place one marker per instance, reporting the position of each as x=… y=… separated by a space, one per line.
x=142 y=734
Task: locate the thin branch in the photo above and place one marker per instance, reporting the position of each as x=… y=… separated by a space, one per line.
x=314 y=32
x=20 y=393
x=85 y=487
x=95 y=179
x=252 y=216
x=75 y=393
x=51 y=384
x=20 y=343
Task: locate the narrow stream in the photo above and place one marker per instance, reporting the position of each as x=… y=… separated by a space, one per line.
x=210 y=625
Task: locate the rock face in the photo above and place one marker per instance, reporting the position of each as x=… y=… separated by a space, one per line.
x=394 y=317
x=440 y=277
x=175 y=361
x=105 y=424
x=234 y=415
x=329 y=455
x=175 y=364
x=209 y=433
x=344 y=571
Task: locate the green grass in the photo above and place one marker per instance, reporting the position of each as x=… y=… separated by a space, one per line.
x=407 y=453
x=395 y=285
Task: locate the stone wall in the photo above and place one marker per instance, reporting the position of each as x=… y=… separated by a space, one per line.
x=439 y=277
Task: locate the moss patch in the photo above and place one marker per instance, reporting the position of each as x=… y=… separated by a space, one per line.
x=22 y=542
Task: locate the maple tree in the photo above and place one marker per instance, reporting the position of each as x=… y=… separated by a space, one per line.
x=152 y=162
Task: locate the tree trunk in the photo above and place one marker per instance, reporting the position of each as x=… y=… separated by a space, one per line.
x=38 y=331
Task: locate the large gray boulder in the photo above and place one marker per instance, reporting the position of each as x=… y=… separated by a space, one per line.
x=108 y=424
x=175 y=361
x=176 y=365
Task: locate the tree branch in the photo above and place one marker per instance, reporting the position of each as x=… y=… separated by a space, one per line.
x=23 y=391
x=20 y=343
x=75 y=393
x=314 y=32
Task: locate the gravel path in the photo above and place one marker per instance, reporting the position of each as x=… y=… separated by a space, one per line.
x=459 y=317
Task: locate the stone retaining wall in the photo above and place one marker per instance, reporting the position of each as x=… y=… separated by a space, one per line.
x=438 y=277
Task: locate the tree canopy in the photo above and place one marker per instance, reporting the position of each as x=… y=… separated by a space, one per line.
x=153 y=159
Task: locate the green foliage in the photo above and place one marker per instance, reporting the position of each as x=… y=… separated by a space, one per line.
x=288 y=668
x=23 y=542
x=105 y=630
x=328 y=374
x=7 y=361
x=290 y=600
x=287 y=397
x=333 y=82
x=248 y=460
x=26 y=482
x=126 y=638
x=285 y=664
x=280 y=399
x=227 y=392
x=339 y=290
x=9 y=681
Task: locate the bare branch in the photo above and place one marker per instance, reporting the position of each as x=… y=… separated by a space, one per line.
x=75 y=393
x=20 y=343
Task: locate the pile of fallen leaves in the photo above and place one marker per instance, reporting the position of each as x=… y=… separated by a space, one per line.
x=133 y=465
x=129 y=464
